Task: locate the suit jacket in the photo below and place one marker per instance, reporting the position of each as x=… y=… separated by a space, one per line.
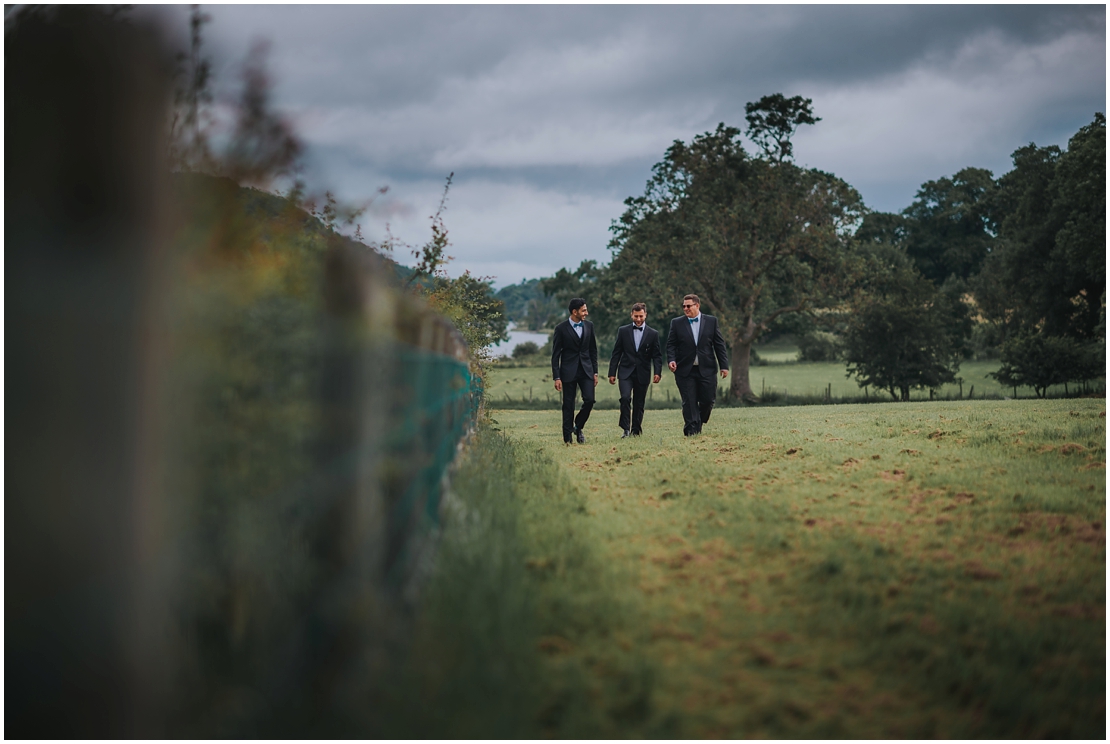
x=628 y=362
x=571 y=355
x=710 y=348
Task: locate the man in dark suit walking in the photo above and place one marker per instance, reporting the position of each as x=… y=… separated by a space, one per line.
x=574 y=366
x=694 y=348
x=635 y=352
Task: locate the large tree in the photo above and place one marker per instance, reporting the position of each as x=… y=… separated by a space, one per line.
x=948 y=230
x=903 y=332
x=754 y=237
x=1048 y=273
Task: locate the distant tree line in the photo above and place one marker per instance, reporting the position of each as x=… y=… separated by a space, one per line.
x=1011 y=268
x=528 y=306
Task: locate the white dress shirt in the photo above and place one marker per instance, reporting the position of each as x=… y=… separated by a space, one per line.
x=577 y=328
x=637 y=334
x=695 y=328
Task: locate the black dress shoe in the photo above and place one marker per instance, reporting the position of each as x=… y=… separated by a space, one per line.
x=580 y=436
x=625 y=434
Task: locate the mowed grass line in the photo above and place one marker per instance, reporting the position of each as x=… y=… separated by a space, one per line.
x=508 y=385
x=896 y=570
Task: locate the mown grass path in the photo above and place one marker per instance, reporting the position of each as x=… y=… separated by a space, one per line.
x=898 y=570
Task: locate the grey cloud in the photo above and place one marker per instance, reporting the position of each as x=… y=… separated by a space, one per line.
x=397 y=54
x=572 y=105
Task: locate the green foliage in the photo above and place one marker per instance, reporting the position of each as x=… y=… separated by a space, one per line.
x=773 y=120
x=469 y=303
x=432 y=256
x=905 y=335
x=1079 y=207
x=948 y=230
x=293 y=518
x=882 y=228
x=755 y=238
x=1039 y=361
x=1049 y=271
x=566 y=285
x=985 y=341
x=528 y=306
x=819 y=346
x=526 y=348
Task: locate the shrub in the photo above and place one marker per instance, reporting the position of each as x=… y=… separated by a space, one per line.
x=909 y=335
x=525 y=348
x=986 y=340
x=819 y=346
x=1040 y=361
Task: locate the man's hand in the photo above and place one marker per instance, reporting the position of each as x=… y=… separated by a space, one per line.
x=612 y=380
x=559 y=385
x=672 y=365
x=655 y=379
x=595 y=380
x=724 y=373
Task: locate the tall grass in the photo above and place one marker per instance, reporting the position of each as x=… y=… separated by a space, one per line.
x=515 y=588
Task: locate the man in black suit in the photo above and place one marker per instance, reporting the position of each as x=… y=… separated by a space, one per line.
x=694 y=348
x=635 y=352
x=574 y=366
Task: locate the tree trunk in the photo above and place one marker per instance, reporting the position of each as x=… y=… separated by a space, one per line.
x=905 y=393
x=740 y=365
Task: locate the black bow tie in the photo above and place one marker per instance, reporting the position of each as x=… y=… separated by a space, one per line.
x=637 y=328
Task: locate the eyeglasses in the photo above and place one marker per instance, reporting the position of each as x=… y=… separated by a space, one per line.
x=686 y=306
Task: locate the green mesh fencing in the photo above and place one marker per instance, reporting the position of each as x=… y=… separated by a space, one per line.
x=231 y=431
x=433 y=403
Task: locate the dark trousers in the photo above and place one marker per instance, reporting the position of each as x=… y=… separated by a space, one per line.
x=698 y=393
x=570 y=391
x=633 y=396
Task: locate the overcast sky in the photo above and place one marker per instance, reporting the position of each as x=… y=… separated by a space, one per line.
x=550 y=116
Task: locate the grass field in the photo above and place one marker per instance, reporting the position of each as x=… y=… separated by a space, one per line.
x=509 y=387
x=893 y=570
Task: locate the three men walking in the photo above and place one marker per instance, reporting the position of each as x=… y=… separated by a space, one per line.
x=695 y=351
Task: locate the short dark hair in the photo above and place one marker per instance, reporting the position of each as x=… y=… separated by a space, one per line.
x=576 y=303
x=696 y=300
x=639 y=306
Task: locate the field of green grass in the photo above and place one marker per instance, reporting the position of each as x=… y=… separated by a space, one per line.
x=506 y=387
x=892 y=570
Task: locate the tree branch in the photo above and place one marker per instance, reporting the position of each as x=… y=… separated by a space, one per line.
x=788 y=309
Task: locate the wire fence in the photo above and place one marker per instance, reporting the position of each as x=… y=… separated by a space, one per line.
x=227 y=430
